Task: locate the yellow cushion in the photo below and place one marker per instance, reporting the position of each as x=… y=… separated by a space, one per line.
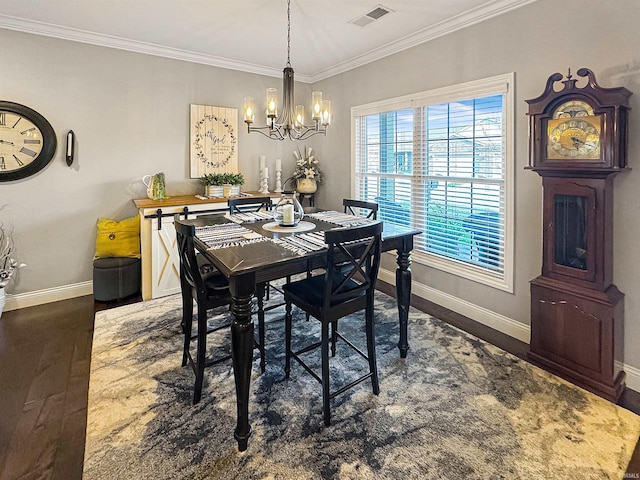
x=118 y=239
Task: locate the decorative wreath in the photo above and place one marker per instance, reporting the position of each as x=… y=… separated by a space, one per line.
x=200 y=135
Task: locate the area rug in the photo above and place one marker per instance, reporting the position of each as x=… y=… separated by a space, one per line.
x=455 y=408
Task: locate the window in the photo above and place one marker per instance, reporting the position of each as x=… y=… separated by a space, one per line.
x=442 y=161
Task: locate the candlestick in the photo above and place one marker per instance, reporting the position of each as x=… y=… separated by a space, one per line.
x=265 y=185
x=278 y=188
x=263 y=163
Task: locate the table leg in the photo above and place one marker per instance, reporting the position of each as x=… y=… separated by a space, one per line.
x=242 y=355
x=403 y=294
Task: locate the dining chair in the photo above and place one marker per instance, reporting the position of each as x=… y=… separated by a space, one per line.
x=359 y=207
x=335 y=294
x=210 y=291
x=249 y=204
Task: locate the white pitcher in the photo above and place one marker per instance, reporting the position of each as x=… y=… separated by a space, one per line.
x=148 y=182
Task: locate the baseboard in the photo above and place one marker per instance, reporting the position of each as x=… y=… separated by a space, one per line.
x=39 y=297
x=633 y=377
x=486 y=317
x=481 y=315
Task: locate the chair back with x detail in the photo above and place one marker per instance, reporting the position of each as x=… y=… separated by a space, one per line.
x=249 y=204
x=370 y=208
x=209 y=290
x=335 y=294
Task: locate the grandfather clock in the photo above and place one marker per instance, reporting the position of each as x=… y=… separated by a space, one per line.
x=578 y=143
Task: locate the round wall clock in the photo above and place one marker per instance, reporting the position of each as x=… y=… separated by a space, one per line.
x=27 y=141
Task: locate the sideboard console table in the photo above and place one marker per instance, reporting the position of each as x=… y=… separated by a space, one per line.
x=159 y=254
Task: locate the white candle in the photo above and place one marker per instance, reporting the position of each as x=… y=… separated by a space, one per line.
x=265 y=172
x=69 y=143
x=278 y=165
x=263 y=162
x=287 y=214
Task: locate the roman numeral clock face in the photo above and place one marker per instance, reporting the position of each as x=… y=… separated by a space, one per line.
x=574 y=132
x=27 y=141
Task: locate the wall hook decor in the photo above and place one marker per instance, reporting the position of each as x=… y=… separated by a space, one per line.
x=71 y=147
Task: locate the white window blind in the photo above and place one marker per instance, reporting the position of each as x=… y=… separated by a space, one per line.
x=441 y=162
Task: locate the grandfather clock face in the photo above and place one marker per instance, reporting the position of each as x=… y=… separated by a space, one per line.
x=573 y=132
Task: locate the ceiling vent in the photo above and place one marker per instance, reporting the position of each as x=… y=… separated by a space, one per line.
x=377 y=12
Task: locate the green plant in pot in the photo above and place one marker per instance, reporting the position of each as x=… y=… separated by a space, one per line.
x=222 y=184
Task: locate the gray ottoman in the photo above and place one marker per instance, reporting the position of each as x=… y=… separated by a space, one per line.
x=115 y=278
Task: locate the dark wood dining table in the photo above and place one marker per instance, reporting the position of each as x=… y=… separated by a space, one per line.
x=248 y=265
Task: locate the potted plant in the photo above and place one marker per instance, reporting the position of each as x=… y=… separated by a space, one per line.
x=8 y=264
x=307 y=173
x=222 y=184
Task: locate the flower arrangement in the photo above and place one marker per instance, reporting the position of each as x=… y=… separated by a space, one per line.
x=307 y=165
x=8 y=264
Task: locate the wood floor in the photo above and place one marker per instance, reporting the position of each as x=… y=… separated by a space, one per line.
x=45 y=354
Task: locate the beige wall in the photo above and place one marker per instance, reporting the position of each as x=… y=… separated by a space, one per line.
x=534 y=42
x=130 y=114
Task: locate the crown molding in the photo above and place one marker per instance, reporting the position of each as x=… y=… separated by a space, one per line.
x=466 y=19
x=83 y=36
x=453 y=24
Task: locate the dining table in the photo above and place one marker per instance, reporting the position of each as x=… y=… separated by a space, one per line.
x=251 y=249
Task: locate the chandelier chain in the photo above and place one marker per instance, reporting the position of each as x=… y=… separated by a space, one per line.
x=288 y=33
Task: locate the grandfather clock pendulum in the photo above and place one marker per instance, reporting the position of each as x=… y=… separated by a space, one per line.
x=578 y=143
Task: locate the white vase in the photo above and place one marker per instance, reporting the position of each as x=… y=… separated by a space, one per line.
x=3 y=300
x=306 y=185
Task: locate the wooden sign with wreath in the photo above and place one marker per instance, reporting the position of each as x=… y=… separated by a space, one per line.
x=214 y=141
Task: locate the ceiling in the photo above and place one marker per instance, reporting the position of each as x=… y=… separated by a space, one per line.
x=251 y=35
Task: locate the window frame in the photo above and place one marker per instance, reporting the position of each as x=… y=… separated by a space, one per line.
x=500 y=84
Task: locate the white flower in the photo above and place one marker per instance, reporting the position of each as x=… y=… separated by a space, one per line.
x=306 y=165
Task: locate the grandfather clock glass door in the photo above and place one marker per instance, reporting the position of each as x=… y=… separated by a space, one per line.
x=571 y=231
x=570 y=213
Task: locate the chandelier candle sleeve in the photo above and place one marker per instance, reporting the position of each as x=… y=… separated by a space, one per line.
x=249 y=109
x=272 y=103
x=326 y=113
x=316 y=102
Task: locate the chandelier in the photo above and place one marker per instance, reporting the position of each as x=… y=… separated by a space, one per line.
x=290 y=122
